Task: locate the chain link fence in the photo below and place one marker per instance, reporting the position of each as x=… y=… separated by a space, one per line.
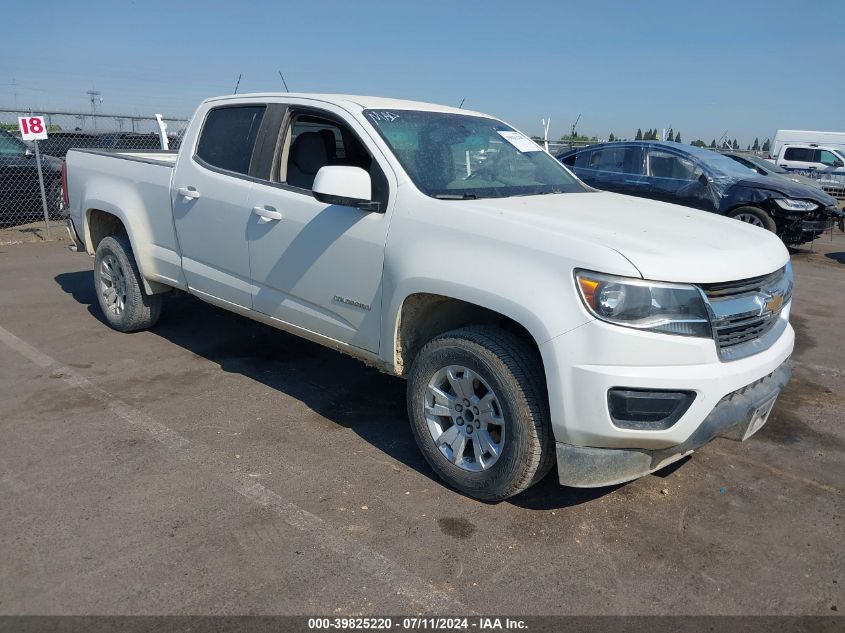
x=832 y=182
x=20 y=190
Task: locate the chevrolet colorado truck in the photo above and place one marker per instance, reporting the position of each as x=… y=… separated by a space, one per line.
x=536 y=320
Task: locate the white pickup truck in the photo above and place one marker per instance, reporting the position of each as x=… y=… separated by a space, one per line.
x=535 y=319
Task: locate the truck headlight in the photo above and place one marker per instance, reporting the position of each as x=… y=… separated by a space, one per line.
x=644 y=305
x=796 y=205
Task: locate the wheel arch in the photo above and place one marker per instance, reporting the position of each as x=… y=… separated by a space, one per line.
x=102 y=219
x=423 y=315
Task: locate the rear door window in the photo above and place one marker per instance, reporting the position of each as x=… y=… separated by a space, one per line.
x=228 y=137
x=800 y=154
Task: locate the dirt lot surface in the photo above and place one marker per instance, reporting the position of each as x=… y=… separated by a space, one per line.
x=216 y=466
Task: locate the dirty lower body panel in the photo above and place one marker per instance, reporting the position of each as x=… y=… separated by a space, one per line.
x=737 y=416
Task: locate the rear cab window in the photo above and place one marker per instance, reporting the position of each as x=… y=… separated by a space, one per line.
x=228 y=137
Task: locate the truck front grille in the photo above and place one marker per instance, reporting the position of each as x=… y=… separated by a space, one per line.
x=743 y=330
x=743 y=312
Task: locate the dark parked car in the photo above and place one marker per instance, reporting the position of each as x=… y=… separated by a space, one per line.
x=58 y=143
x=20 y=195
x=704 y=179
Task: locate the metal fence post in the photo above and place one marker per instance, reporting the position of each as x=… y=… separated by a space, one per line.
x=41 y=185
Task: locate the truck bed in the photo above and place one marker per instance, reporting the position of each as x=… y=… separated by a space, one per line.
x=140 y=183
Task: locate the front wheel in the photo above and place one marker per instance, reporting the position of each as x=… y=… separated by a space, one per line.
x=754 y=217
x=124 y=302
x=479 y=412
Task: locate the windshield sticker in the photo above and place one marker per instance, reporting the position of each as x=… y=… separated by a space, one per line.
x=383 y=116
x=519 y=141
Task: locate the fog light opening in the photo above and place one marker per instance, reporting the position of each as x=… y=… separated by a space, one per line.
x=647 y=409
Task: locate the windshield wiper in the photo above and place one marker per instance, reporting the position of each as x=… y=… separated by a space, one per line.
x=538 y=193
x=456 y=196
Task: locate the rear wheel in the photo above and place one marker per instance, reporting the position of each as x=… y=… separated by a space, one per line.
x=120 y=291
x=754 y=217
x=56 y=201
x=478 y=408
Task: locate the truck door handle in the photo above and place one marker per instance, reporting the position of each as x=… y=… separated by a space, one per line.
x=189 y=192
x=267 y=213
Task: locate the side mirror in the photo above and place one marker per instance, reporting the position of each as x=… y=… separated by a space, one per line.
x=28 y=153
x=838 y=164
x=346 y=186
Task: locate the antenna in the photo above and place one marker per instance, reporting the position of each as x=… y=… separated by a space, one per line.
x=461 y=105
x=238 y=83
x=283 y=81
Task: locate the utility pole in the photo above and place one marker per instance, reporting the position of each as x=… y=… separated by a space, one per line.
x=96 y=99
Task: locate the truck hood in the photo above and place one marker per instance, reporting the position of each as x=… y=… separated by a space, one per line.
x=665 y=242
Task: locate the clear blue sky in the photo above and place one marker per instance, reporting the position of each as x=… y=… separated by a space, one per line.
x=701 y=67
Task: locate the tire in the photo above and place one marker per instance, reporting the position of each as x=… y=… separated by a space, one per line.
x=516 y=414
x=128 y=308
x=55 y=201
x=755 y=217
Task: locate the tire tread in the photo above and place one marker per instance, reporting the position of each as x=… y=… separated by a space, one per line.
x=142 y=310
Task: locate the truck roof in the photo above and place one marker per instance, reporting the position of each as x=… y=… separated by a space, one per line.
x=359 y=101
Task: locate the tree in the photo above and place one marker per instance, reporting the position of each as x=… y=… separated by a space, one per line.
x=713 y=144
x=639 y=135
x=611 y=138
x=670 y=135
x=677 y=137
x=756 y=146
x=698 y=143
x=767 y=146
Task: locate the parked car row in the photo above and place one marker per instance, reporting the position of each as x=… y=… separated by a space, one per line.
x=58 y=143
x=707 y=180
x=20 y=193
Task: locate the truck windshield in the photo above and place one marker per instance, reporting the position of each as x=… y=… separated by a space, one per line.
x=460 y=157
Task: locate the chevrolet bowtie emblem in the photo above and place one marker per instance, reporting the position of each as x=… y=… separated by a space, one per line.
x=773 y=303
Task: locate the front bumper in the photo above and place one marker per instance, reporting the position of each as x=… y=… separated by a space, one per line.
x=737 y=416
x=820 y=226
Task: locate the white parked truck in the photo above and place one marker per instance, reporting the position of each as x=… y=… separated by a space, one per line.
x=535 y=319
x=833 y=140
